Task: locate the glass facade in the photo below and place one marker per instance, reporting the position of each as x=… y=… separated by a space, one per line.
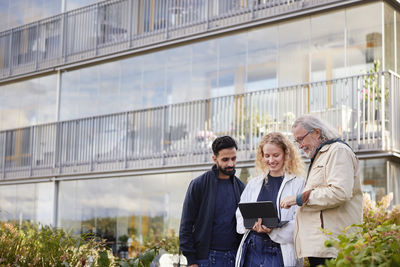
x=140 y=207
x=27 y=202
x=28 y=102
x=251 y=60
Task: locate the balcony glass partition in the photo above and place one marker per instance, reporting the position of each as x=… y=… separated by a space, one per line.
x=362 y=108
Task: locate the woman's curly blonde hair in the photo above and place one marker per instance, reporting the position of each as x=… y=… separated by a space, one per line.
x=293 y=163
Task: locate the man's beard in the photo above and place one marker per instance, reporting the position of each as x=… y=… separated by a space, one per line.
x=227 y=171
x=312 y=151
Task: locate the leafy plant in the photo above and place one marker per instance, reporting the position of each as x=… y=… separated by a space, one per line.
x=376 y=242
x=36 y=245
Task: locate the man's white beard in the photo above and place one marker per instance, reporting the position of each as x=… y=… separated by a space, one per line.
x=312 y=151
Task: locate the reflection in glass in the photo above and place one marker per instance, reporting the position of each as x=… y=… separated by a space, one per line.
x=374 y=177
x=125 y=211
x=293 y=47
x=37 y=106
x=364 y=37
x=27 y=202
x=17 y=13
x=262 y=56
x=389 y=37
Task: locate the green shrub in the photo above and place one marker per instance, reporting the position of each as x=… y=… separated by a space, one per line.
x=36 y=245
x=32 y=244
x=376 y=242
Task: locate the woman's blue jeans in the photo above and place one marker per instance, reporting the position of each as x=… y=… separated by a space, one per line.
x=219 y=259
x=261 y=251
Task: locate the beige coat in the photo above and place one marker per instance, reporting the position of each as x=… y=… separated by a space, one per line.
x=335 y=201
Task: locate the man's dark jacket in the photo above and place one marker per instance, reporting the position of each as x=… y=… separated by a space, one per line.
x=198 y=214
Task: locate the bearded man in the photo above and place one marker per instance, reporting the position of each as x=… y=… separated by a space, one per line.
x=207 y=232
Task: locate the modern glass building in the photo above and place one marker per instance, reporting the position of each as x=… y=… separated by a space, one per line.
x=108 y=109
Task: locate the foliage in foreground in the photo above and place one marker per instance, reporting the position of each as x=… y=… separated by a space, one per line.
x=36 y=245
x=376 y=242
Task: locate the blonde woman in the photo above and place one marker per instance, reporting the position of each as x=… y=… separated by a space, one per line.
x=282 y=168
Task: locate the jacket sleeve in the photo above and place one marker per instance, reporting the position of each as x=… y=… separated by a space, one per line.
x=285 y=234
x=340 y=173
x=245 y=197
x=188 y=218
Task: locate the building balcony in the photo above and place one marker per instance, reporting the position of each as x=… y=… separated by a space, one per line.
x=362 y=108
x=120 y=27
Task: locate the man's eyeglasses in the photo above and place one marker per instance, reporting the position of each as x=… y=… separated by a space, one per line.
x=300 y=139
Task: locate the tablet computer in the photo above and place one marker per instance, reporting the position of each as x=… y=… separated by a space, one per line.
x=251 y=211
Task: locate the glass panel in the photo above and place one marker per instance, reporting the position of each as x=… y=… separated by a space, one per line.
x=394 y=181
x=389 y=38
x=131 y=83
x=374 y=177
x=294 y=47
x=204 y=68
x=232 y=65
x=4 y=16
x=126 y=211
x=37 y=106
x=154 y=87
x=70 y=206
x=17 y=13
x=262 y=56
x=327 y=58
x=364 y=37
x=397 y=41
x=27 y=202
x=177 y=183
x=74 y=4
x=8 y=202
x=178 y=74
x=327 y=47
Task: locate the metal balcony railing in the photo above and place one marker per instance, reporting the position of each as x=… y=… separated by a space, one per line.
x=113 y=27
x=363 y=108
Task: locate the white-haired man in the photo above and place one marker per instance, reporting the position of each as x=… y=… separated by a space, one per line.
x=332 y=197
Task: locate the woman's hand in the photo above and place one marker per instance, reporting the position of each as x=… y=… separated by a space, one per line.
x=259 y=228
x=288 y=201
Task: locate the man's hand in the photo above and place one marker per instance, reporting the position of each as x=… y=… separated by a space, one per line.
x=193 y=265
x=288 y=201
x=259 y=228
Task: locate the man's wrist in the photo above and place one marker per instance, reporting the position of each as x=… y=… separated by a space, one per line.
x=299 y=200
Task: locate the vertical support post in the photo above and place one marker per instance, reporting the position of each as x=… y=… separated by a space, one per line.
x=163 y=135
x=252 y=9
x=383 y=110
x=126 y=140
x=130 y=19
x=91 y=144
x=4 y=155
x=97 y=29
x=55 y=202
x=31 y=150
x=10 y=61
x=37 y=45
x=207 y=7
x=167 y=20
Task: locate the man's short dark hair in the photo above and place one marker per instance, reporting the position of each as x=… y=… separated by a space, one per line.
x=223 y=142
